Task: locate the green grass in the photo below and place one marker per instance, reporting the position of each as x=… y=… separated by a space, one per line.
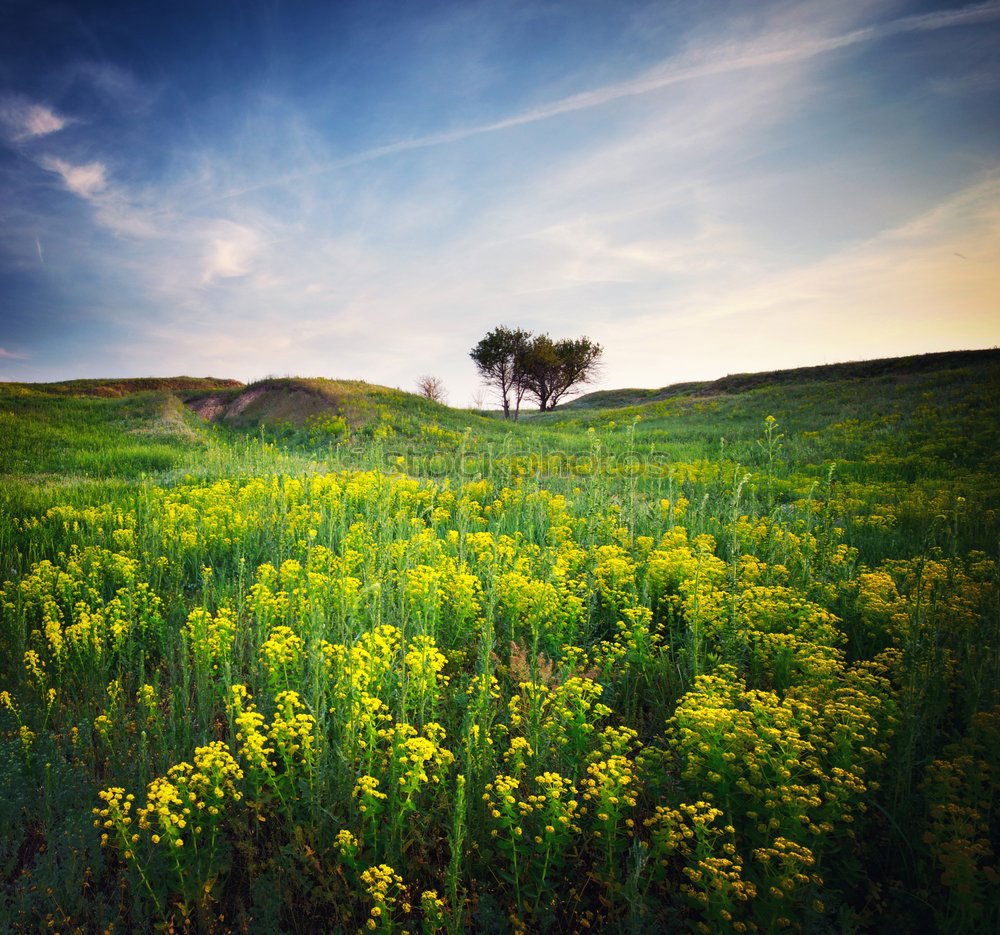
x=124 y=386
x=893 y=368
x=737 y=649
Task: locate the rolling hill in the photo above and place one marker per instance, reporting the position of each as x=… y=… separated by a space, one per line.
x=899 y=368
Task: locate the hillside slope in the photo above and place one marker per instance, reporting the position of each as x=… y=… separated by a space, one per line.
x=792 y=587
x=122 y=386
x=898 y=367
x=333 y=406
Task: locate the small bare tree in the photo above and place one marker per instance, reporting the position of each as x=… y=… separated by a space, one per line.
x=432 y=388
x=479 y=398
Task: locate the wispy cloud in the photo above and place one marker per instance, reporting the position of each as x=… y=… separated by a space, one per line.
x=11 y=355
x=116 y=85
x=23 y=120
x=230 y=250
x=929 y=282
x=86 y=180
x=133 y=215
x=728 y=224
x=774 y=50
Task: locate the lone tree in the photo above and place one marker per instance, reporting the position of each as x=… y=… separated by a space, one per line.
x=551 y=369
x=515 y=363
x=499 y=358
x=432 y=388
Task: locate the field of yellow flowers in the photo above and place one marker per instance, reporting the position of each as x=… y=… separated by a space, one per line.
x=753 y=690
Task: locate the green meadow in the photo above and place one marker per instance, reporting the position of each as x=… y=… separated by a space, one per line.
x=719 y=657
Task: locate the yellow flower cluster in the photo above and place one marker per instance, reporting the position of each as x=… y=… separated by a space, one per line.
x=281 y=655
x=211 y=638
x=609 y=789
x=361 y=675
x=534 y=828
x=788 y=763
x=695 y=837
x=434 y=910
x=346 y=843
x=548 y=806
x=527 y=621
x=278 y=754
x=414 y=759
x=188 y=802
x=251 y=731
x=960 y=789
x=384 y=888
x=75 y=622
x=115 y=817
x=559 y=720
x=321 y=589
x=368 y=794
x=292 y=731
x=425 y=664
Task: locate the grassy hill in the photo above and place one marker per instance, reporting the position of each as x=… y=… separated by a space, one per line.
x=892 y=368
x=914 y=416
x=117 y=428
x=124 y=386
x=101 y=430
x=300 y=402
x=314 y=655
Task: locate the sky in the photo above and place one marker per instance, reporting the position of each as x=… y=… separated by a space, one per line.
x=362 y=190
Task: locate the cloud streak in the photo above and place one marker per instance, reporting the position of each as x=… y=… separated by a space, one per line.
x=23 y=120
x=230 y=251
x=717 y=62
x=775 y=189
x=86 y=180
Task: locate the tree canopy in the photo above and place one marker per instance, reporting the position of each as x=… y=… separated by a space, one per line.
x=516 y=363
x=499 y=358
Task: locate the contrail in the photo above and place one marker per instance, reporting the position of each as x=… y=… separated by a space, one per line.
x=661 y=76
x=38 y=245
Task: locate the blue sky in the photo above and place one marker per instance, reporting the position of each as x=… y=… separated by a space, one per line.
x=363 y=189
